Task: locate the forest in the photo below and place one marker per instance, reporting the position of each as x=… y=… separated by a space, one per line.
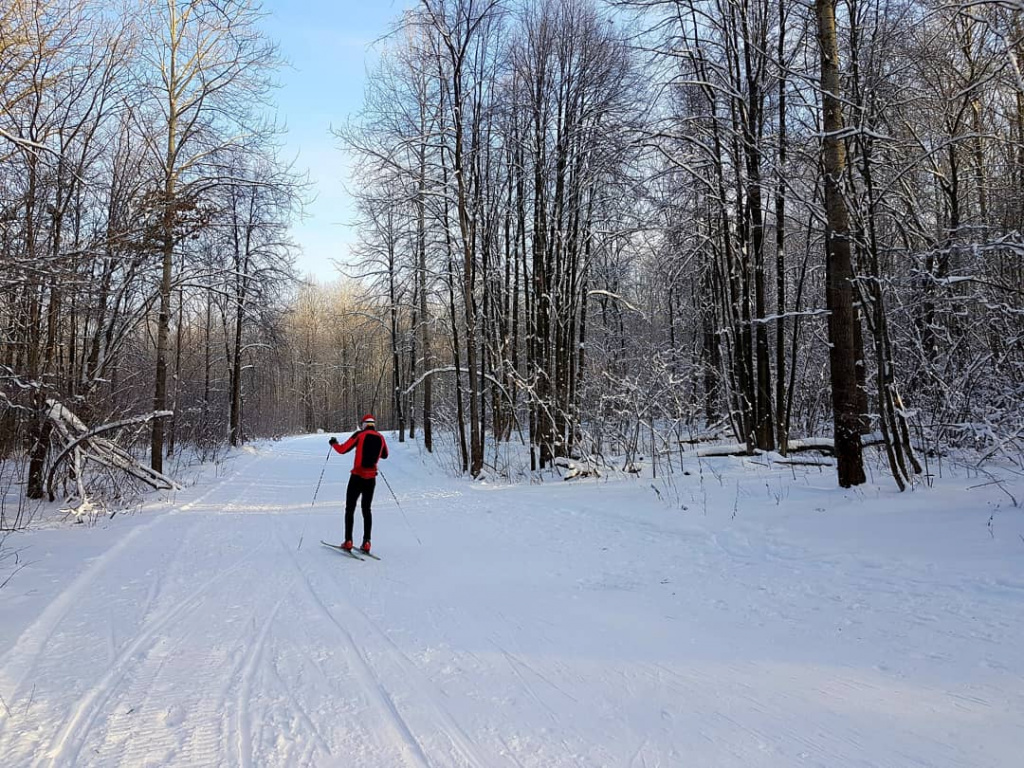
x=593 y=231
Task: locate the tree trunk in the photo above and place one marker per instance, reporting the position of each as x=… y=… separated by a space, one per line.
x=162 y=333
x=781 y=425
x=167 y=234
x=396 y=361
x=421 y=275
x=839 y=263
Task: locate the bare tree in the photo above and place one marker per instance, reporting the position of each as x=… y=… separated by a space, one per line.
x=208 y=68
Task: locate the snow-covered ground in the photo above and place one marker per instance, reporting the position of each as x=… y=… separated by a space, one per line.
x=776 y=621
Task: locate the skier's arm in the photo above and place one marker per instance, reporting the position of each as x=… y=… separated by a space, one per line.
x=383 y=447
x=347 y=446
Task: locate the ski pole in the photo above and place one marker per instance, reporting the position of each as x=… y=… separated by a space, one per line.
x=381 y=473
x=323 y=469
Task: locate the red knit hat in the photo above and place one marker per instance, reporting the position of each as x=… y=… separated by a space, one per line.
x=368 y=419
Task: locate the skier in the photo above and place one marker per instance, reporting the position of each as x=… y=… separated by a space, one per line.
x=370 y=447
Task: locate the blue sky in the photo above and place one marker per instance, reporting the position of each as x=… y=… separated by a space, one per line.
x=328 y=45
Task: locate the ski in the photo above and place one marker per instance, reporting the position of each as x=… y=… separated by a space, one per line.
x=337 y=548
x=368 y=554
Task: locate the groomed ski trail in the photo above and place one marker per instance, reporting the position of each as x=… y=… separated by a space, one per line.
x=534 y=626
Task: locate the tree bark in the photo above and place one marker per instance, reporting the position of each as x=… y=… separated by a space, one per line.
x=839 y=263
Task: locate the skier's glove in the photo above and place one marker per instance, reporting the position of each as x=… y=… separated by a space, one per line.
x=333 y=441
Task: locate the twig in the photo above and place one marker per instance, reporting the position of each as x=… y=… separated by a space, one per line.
x=11 y=575
x=996 y=482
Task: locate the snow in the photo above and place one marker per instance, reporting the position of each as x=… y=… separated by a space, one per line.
x=741 y=615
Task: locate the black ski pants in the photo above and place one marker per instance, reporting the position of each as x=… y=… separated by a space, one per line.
x=359 y=486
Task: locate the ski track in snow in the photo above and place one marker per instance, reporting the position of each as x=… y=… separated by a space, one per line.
x=392 y=663
x=402 y=736
x=535 y=627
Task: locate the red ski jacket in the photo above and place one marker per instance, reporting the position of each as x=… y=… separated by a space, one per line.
x=370 y=447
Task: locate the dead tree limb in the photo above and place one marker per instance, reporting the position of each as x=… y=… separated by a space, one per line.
x=88 y=445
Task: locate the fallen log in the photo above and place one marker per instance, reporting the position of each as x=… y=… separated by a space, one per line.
x=82 y=445
x=823 y=445
x=574 y=470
